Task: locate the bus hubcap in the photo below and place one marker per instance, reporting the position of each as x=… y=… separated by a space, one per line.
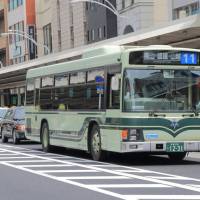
x=96 y=142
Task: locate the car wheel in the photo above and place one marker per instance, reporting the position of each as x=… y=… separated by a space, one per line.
x=177 y=156
x=15 y=139
x=95 y=144
x=4 y=138
x=45 y=137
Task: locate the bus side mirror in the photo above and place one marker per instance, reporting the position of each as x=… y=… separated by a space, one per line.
x=115 y=83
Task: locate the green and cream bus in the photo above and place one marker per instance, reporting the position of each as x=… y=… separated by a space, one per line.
x=118 y=99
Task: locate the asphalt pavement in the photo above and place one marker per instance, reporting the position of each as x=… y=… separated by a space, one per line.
x=27 y=173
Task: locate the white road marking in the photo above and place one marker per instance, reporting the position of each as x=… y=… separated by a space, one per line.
x=110 y=171
x=131 y=186
x=68 y=171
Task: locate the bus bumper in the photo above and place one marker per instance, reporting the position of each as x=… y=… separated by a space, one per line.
x=158 y=146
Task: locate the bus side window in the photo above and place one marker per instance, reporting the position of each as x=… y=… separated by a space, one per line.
x=113 y=96
x=30 y=92
x=46 y=93
x=37 y=91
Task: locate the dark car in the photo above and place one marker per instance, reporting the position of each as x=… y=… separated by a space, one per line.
x=3 y=112
x=13 y=125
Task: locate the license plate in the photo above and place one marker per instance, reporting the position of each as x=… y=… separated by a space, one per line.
x=175 y=147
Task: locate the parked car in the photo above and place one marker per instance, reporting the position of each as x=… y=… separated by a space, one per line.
x=13 y=125
x=3 y=111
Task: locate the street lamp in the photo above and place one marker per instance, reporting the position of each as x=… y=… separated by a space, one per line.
x=110 y=7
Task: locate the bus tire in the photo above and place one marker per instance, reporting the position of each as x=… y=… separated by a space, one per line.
x=45 y=137
x=177 y=156
x=95 y=144
x=4 y=138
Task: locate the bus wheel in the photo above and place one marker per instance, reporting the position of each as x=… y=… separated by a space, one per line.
x=177 y=156
x=4 y=138
x=95 y=144
x=45 y=137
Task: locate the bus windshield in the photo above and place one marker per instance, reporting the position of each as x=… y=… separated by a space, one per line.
x=161 y=90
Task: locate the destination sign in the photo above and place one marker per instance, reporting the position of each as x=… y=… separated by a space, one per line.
x=164 y=58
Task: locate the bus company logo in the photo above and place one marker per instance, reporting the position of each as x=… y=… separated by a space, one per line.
x=174 y=124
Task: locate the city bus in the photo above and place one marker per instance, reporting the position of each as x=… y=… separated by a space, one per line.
x=119 y=99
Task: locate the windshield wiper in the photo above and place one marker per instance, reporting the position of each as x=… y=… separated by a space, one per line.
x=154 y=114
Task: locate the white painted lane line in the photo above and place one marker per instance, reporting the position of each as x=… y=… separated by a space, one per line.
x=69 y=171
x=165 y=197
x=131 y=186
x=169 y=178
x=178 y=185
x=46 y=166
x=93 y=177
x=7 y=154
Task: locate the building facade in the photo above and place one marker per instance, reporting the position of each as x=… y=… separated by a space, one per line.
x=134 y=15
x=64 y=25
x=4 y=61
x=21 y=20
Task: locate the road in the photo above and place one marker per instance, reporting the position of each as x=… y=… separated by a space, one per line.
x=27 y=173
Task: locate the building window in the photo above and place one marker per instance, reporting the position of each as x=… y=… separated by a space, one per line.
x=16 y=27
x=104 y=31
x=13 y=4
x=93 y=34
x=123 y=4
x=99 y=33
x=47 y=33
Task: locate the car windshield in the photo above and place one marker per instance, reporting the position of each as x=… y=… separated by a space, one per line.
x=161 y=90
x=2 y=113
x=19 y=114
